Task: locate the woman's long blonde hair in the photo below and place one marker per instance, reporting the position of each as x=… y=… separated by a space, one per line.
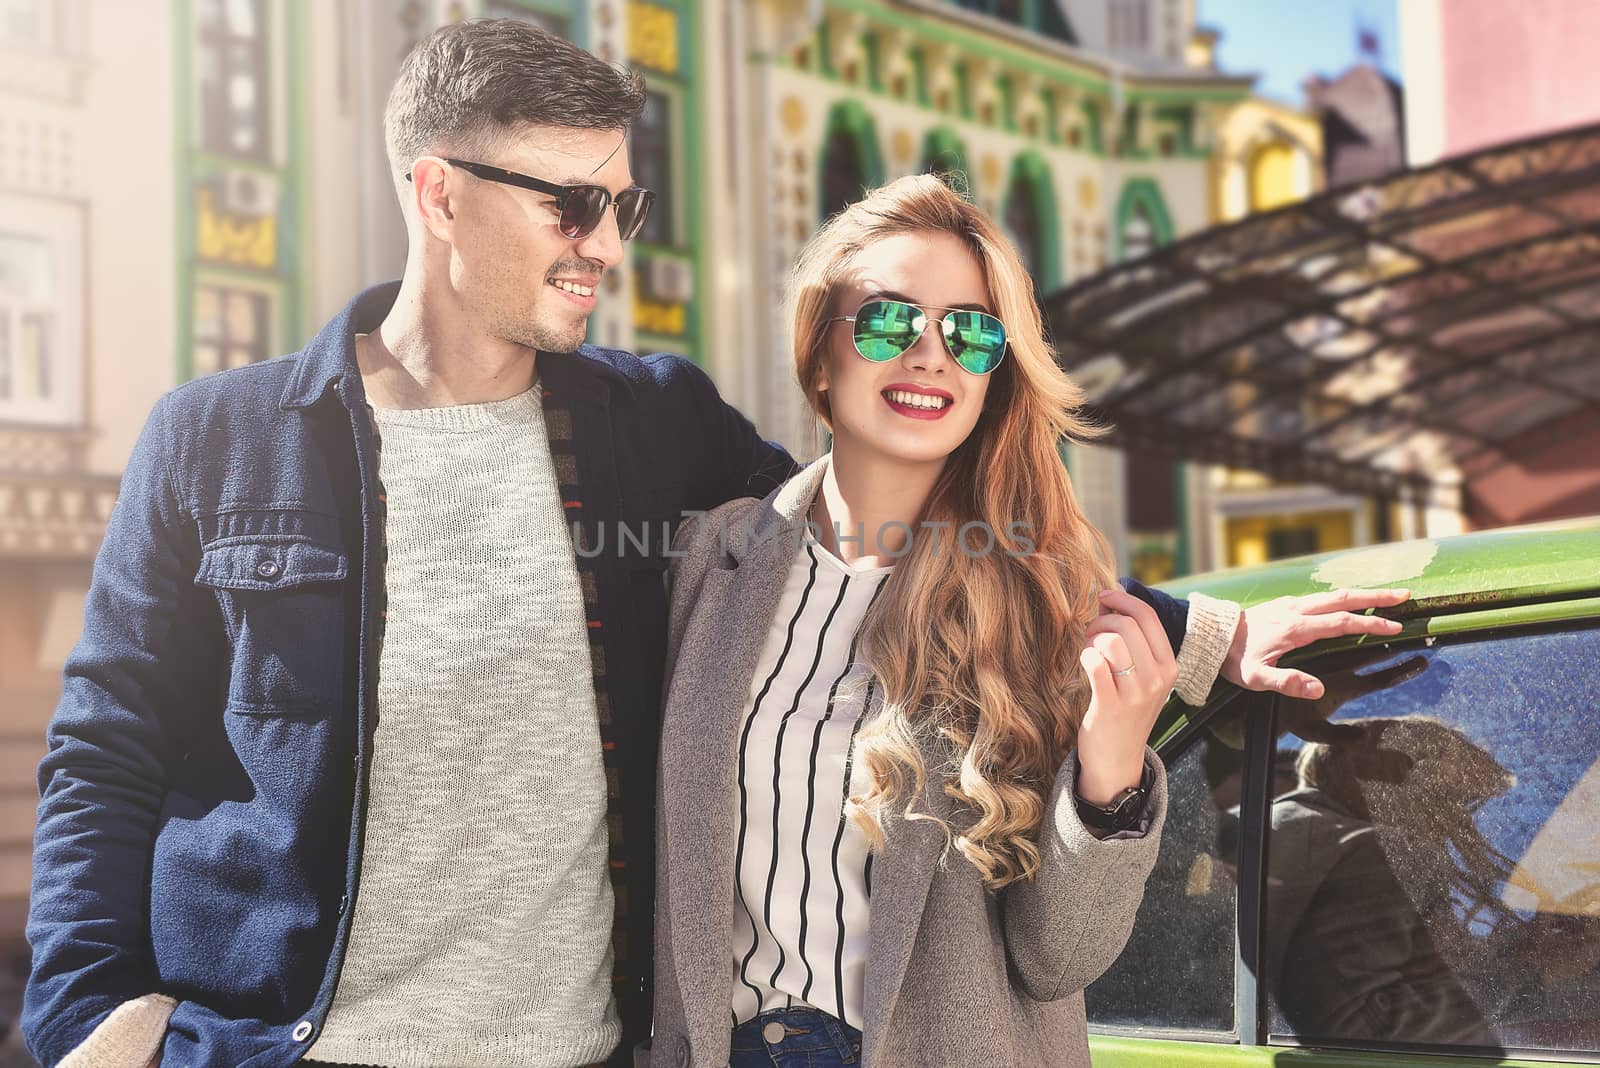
x=977 y=648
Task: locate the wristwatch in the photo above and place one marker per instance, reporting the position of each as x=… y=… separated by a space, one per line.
x=1122 y=811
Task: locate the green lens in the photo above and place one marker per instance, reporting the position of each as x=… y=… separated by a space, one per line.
x=977 y=340
x=885 y=329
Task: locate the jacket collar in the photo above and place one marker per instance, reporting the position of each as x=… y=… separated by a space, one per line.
x=330 y=358
x=783 y=514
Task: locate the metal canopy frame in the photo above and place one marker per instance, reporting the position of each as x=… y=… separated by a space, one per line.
x=1384 y=338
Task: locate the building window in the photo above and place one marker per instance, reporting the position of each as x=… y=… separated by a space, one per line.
x=1025 y=228
x=1142 y=220
x=30 y=23
x=843 y=173
x=1291 y=541
x=1044 y=17
x=650 y=152
x=232 y=66
x=26 y=321
x=232 y=327
x=40 y=318
x=1030 y=218
x=1138 y=236
x=1009 y=10
x=944 y=154
x=851 y=162
x=42 y=25
x=1129 y=25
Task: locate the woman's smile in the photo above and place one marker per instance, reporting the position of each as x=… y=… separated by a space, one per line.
x=918 y=402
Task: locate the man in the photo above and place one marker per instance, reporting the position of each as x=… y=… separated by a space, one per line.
x=355 y=761
x=302 y=832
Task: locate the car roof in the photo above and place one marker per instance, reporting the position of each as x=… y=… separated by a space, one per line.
x=1464 y=572
x=1547 y=573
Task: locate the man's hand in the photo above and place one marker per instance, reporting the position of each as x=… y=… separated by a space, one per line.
x=1274 y=628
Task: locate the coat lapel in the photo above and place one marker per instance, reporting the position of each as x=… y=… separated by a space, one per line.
x=699 y=752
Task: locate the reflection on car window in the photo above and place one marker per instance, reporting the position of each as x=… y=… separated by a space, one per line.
x=1177 y=970
x=1433 y=865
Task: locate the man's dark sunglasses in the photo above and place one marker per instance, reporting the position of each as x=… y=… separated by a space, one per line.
x=581 y=206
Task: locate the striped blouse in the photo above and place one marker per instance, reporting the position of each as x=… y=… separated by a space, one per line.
x=804 y=873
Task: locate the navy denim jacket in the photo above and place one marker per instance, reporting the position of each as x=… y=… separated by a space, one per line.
x=203 y=796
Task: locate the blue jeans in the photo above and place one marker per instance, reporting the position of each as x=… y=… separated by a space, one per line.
x=811 y=1039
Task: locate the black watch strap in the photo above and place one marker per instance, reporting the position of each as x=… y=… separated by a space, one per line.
x=1122 y=812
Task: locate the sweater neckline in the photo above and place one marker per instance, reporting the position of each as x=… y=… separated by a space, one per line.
x=519 y=411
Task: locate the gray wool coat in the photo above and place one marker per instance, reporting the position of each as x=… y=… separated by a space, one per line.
x=956 y=975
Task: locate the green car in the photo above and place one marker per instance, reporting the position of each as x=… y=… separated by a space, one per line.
x=1407 y=871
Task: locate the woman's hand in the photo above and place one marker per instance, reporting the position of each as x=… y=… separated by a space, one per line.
x=1270 y=630
x=1131 y=671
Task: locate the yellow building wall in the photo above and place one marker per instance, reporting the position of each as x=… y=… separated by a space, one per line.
x=1272 y=176
x=1261 y=137
x=1248 y=538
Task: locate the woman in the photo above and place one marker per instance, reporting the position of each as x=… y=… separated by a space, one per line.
x=907 y=809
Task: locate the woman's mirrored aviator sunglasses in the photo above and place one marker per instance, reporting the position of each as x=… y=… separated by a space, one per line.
x=581 y=206
x=885 y=329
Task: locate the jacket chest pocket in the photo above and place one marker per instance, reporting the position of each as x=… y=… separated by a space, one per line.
x=282 y=599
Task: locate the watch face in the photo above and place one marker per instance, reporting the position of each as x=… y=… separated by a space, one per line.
x=1119 y=815
x=1126 y=809
x=1122 y=812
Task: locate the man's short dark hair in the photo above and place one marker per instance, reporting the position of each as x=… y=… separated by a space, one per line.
x=469 y=84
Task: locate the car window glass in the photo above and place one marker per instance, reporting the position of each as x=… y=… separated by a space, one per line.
x=1177 y=972
x=1433 y=854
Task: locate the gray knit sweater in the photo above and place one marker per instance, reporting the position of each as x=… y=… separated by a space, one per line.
x=482 y=926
